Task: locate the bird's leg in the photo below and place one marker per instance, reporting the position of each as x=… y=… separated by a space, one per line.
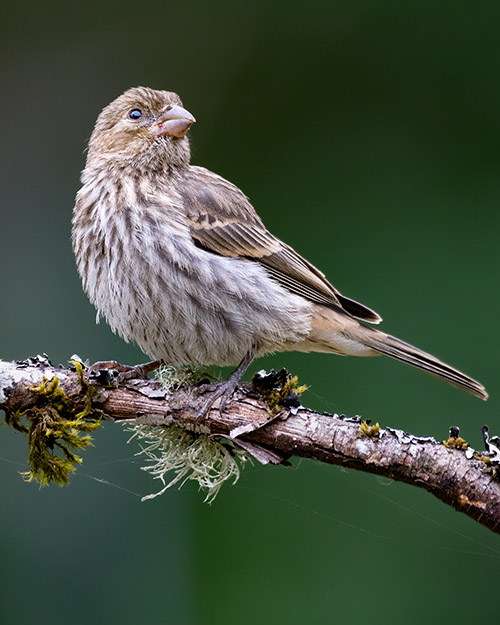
x=225 y=389
x=126 y=372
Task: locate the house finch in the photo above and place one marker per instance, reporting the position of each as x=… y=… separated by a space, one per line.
x=177 y=260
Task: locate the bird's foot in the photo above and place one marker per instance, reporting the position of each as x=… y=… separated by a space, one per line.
x=123 y=372
x=223 y=390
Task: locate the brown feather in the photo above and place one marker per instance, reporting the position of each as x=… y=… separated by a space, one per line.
x=222 y=220
x=143 y=222
x=398 y=349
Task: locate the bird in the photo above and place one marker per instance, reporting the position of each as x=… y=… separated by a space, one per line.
x=178 y=261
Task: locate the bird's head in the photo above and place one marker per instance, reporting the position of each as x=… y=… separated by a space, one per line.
x=142 y=128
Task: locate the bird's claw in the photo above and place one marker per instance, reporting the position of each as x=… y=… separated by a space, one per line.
x=223 y=390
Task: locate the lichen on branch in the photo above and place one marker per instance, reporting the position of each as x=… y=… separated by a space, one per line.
x=190 y=456
x=60 y=414
x=56 y=425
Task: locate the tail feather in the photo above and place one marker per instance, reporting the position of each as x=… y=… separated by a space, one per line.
x=395 y=348
x=360 y=311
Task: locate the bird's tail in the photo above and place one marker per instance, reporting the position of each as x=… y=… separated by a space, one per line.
x=395 y=348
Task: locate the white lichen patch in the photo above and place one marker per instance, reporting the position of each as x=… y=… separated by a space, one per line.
x=189 y=456
x=10 y=375
x=363 y=449
x=175 y=378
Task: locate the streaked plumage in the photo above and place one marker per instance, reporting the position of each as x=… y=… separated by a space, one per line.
x=177 y=260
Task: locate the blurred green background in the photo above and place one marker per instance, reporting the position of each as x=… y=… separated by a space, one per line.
x=367 y=135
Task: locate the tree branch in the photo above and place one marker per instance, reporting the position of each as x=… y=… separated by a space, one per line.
x=460 y=477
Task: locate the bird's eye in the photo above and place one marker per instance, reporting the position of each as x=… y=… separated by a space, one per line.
x=135 y=114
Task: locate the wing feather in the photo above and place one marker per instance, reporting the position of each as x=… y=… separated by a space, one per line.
x=223 y=221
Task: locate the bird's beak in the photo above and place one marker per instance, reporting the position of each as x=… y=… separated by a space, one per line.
x=174 y=121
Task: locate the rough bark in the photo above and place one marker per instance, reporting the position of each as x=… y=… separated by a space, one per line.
x=464 y=479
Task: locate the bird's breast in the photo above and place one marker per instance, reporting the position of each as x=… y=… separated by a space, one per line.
x=143 y=272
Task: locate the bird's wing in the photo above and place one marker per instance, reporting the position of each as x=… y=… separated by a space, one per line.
x=223 y=221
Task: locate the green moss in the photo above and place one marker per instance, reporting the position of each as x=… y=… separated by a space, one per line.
x=56 y=425
x=372 y=431
x=456 y=442
x=14 y=419
x=490 y=466
x=278 y=389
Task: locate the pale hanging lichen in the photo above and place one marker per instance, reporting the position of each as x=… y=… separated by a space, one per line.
x=189 y=456
x=204 y=458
